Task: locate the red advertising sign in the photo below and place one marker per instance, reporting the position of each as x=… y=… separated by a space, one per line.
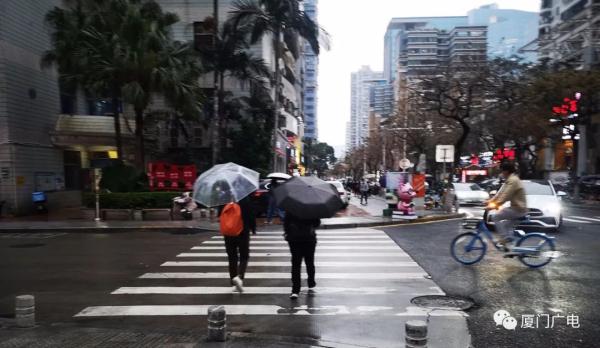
x=165 y=176
x=418 y=184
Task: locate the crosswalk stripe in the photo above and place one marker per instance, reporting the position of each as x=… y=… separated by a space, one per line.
x=288 y=264
x=585 y=218
x=284 y=275
x=321 y=247
x=334 y=233
x=215 y=290
x=578 y=221
x=201 y=310
x=389 y=241
x=317 y=254
x=319 y=237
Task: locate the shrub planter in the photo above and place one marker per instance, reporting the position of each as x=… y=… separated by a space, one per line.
x=117 y=214
x=156 y=214
x=88 y=214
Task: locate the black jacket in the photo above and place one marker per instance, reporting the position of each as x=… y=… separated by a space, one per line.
x=300 y=230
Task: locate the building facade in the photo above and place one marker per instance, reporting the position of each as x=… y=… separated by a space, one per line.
x=311 y=72
x=361 y=83
x=507 y=30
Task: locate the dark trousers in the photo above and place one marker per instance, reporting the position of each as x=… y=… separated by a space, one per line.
x=234 y=246
x=364 y=195
x=300 y=251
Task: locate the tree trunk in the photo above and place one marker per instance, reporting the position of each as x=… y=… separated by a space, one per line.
x=276 y=41
x=458 y=146
x=116 y=96
x=216 y=134
x=140 y=157
x=222 y=117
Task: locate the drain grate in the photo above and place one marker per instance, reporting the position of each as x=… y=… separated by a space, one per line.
x=443 y=302
x=28 y=245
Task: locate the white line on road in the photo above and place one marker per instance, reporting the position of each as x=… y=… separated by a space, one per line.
x=585 y=218
x=578 y=221
x=320 y=247
x=214 y=290
x=288 y=264
x=340 y=241
x=286 y=275
x=335 y=233
x=383 y=237
x=201 y=310
x=252 y=254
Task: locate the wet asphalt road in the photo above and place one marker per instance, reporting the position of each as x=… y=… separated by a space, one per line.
x=568 y=285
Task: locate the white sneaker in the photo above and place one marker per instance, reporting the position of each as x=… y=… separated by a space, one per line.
x=238 y=283
x=294 y=296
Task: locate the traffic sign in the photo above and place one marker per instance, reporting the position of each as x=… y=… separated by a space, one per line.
x=444 y=153
x=405 y=163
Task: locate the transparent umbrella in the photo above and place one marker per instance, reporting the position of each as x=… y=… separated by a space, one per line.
x=225 y=183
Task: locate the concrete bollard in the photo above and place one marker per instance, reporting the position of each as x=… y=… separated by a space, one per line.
x=25 y=310
x=203 y=213
x=217 y=327
x=415 y=334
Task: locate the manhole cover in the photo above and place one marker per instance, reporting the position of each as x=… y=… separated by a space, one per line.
x=27 y=245
x=444 y=302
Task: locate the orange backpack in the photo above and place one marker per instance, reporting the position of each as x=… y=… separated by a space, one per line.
x=231 y=220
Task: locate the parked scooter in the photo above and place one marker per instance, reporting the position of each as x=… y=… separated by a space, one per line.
x=185 y=205
x=39 y=202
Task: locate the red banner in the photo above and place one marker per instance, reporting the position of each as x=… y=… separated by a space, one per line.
x=418 y=184
x=171 y=177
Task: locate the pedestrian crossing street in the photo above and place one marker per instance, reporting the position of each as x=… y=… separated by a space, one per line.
x=582 y=219
x=359 y=272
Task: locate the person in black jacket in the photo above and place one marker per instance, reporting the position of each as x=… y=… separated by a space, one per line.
x=302 y=239
x=241 y=244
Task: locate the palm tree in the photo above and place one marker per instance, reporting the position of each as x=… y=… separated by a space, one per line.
x=229 y=58
x=121 y=49
x=280 y=18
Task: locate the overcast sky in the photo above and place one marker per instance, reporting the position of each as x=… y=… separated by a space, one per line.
x=357 y=28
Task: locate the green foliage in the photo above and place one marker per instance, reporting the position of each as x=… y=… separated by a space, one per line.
x=123 y=179
x=319 y=156
x=130 y=200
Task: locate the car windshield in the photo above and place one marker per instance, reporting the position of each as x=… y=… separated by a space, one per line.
x=537 y=188
x=467 y=187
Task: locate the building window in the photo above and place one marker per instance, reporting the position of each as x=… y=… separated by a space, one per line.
x=309 y=99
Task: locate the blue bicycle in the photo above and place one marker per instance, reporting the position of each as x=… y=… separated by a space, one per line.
x=532 y=249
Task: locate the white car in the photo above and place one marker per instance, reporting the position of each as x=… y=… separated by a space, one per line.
x=344 y=195
x=470 y=193
x=543 y=205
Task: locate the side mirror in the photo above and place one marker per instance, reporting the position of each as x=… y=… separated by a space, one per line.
x=561 y=193
x=493 y=192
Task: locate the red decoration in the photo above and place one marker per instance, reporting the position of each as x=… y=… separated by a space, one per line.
x=161 y=173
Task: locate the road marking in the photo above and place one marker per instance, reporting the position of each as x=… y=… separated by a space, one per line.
x=578 y=221
x=396 y=254
x=586 y=218
x=389 y=241
x=217 y=290
x=383 y=237
x=285 y=275
x=320 y=247
x=288 y=264
x=201 y=310
x=334 y=233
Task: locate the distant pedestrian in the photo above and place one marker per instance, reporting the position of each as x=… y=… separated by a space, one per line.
x=272 y=208
x=364 y=191
x=238 y=246
x=302 y=239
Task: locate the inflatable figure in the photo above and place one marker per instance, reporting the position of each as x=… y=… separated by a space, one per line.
x=406 y=193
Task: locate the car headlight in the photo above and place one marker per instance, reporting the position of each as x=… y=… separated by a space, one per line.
x=553 y=209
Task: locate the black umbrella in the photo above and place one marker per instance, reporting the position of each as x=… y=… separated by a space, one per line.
x=308 y=198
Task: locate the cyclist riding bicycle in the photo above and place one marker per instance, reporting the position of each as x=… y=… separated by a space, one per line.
x=512 y=191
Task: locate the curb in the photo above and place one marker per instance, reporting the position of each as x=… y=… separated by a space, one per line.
x=390 y=221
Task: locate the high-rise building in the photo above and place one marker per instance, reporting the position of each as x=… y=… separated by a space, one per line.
x=381 y=98
x=311 y=71
x=507 y=30
x=358 y=128
x=396 y=39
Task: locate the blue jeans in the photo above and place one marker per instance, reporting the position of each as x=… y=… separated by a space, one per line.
x=274 y=210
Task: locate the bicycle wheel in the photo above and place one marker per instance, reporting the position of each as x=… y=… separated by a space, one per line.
x=542 y=250
x=468 y=248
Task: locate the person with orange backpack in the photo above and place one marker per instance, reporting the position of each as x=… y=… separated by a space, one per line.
x=237 y=220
